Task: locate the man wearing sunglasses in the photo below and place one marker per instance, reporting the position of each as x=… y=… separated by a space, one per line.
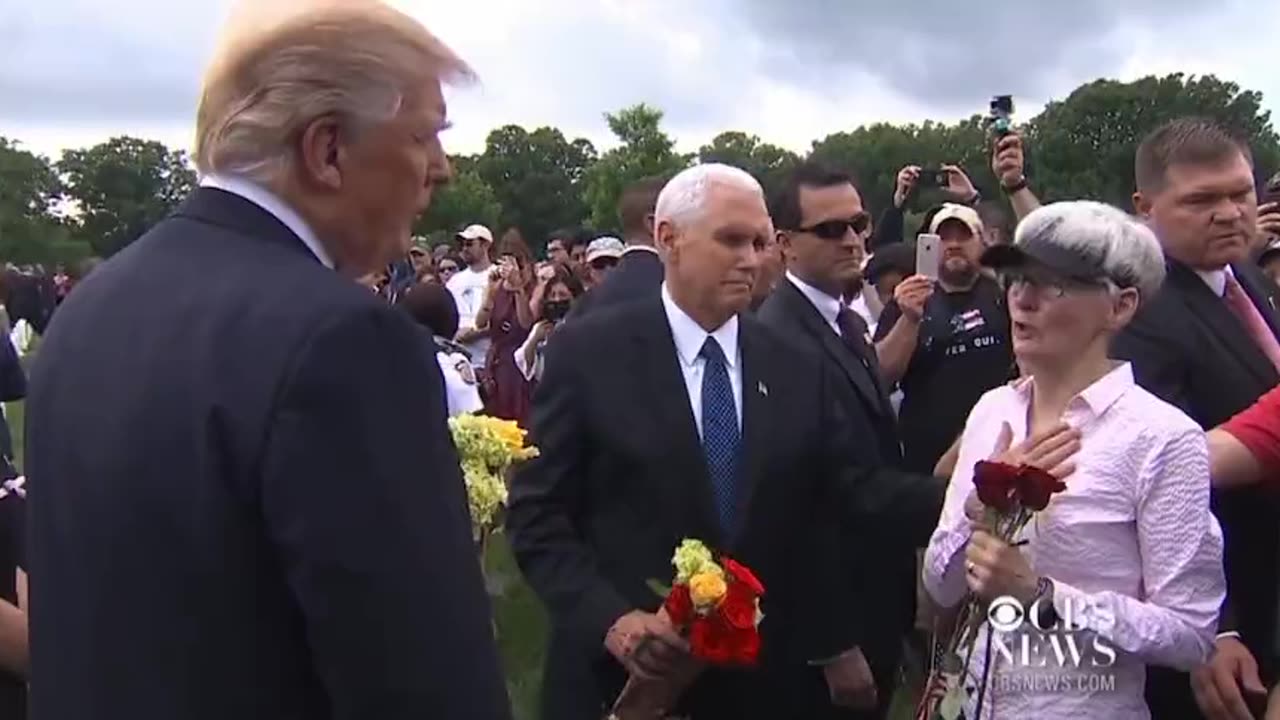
x=945 y=340
x=821 y=228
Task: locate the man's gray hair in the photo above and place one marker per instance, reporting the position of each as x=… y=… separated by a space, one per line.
x=1126 y=249
x=280 y=64
x=684 y=197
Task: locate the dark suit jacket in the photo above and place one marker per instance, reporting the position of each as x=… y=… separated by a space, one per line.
x=622 y=480
x=1187 y=347
x=638 y=275
x=13 y=386
x=244 y=500
x=884 y=566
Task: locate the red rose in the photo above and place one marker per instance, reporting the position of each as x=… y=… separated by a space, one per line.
x=746 y=647
x=1036 y=486
x=739 y=606
x=679 y=605
x=710 y=639
x=743 y=575
x=996 y=484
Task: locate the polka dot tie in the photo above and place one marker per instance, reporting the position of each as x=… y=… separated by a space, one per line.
x=721 y=437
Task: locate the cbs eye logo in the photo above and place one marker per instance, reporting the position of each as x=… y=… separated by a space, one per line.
x=1005 y=614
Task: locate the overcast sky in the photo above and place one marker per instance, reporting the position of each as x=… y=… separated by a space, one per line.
x=75 y=72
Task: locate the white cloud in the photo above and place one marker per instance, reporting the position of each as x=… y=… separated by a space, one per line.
x=85 y=70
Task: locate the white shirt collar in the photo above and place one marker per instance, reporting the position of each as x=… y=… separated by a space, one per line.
x=1216 y=279
x=690 y=337
x=640 y=248
x=273 y=204
x=828 y=306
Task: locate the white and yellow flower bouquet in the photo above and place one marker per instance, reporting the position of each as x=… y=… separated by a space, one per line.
x=489 y=448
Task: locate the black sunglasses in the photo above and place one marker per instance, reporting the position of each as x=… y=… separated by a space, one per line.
x=603 y=263
x=448 y=268
x=835 y=229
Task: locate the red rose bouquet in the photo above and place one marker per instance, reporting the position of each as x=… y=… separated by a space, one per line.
x=716 y=605
x=1011 y=496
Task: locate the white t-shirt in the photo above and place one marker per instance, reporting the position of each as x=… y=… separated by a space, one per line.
x=468 y=288
x=460 y=387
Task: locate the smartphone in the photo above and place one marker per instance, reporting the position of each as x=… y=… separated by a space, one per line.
x=928 y=254
x=1000 y=118
x=933 y=178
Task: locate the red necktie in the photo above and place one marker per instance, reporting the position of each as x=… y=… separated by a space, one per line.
x=1244 y=309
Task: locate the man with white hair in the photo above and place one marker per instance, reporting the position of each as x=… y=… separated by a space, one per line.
x=251 y=508
x=704 y=424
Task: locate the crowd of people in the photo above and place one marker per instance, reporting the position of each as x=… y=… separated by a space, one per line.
x=244 y=501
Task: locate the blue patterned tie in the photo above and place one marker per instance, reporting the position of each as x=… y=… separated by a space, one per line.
x=721 y=437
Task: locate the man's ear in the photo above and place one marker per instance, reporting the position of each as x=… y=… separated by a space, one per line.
x=664 y=235
x=1142 y=203
x=783 y=238
x=320 y=152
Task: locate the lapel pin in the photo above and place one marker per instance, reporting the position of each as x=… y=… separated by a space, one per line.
x=763 y=390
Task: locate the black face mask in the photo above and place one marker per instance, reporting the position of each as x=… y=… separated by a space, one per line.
x=555 y=310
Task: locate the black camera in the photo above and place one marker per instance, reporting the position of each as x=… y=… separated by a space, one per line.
x=932 y=178
x=1001 y=117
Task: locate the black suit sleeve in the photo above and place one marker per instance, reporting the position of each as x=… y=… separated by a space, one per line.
x=13 y=379
x=546 y=494
x=363 y=500
x=906 y=505
x=857 y=492
x=889 y=229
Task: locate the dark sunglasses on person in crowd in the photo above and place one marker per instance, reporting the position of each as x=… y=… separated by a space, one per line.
x=603 y=263
x=835 y=229
x=448 y=269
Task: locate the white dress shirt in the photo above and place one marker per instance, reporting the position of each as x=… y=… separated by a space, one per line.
x=689 y=338
x=639 y=248
x=272 y=203
x=1131 y=547
x=1216 y=279
x=827 y=306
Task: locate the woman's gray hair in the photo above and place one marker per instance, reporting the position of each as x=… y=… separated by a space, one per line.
x=684 y=197
x=1124 y=248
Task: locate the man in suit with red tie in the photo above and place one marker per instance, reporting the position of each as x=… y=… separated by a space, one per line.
x=679 y=416
x=1208 y=344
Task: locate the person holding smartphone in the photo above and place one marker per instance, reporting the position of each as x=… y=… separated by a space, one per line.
x=505 y=313
x=559 y=293
x=944 y=337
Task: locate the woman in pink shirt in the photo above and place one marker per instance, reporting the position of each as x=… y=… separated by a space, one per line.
x=1123 y=568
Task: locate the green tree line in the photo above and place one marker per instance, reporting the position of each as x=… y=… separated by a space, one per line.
x=96 y=200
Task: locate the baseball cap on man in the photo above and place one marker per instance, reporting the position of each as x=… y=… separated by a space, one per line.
x=476 y=232
x=605 y=247
x=960 y=213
